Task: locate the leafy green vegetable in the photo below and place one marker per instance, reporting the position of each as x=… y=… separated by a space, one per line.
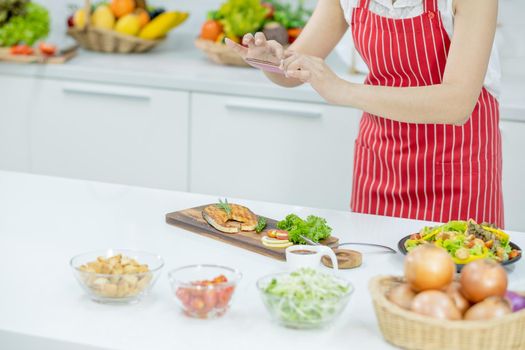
x=288 y=16
x=239 y=17
x=225 y=206
x=261 y=224
x=28 y=28
x=314 y=228
x=11 y=8
x=306 y=297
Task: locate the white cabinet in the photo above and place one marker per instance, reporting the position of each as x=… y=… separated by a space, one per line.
x=298 y=153
x=111 y=133
x=15 y=96
x=513 y=140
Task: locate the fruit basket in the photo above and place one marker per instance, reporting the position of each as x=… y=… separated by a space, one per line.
x=281 y=22
x=138 y=35
x=409 y=330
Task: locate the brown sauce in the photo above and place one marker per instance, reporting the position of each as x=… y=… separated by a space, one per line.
x=304 y=252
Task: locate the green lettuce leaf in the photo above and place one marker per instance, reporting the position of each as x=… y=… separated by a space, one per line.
x=27 y=28
x=314 y=228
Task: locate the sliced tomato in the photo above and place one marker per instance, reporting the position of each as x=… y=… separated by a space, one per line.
x=21 y=50
x=47 y=49
x=282 y=235
x=279 y=234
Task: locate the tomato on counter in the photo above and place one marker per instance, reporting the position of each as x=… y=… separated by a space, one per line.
x=206 y=297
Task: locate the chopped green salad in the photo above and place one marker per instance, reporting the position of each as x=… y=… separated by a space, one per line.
x=306 y=298
x=467 y=241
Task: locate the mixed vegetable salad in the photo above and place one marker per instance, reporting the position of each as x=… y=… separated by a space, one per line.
x=467 y=241
x=306 y=298
x=278 y=20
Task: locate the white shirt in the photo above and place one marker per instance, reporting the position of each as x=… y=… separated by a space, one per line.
x=413 y=8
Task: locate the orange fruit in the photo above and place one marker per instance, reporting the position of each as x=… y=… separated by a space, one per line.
x=121 y=8
x=211 y=30
x=143 y=16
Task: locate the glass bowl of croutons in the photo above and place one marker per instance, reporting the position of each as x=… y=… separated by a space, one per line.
x=117 y=275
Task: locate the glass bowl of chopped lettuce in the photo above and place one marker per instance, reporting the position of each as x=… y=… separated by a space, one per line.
x=305 y=298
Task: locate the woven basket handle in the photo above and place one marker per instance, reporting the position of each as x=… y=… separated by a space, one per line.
x=87 y=8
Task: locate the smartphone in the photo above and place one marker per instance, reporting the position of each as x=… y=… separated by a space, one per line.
x=264 y=65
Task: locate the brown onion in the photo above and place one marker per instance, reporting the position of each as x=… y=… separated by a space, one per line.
x=429 y=267
x=492 y=307
x=435 y=304
x=401 y=295
x=453 y=291
x=481 y=279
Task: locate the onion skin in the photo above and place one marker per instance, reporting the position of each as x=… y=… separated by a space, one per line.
x=490 y=308
x=435 y=304
x=401 y=295
x=429 y=267
x=481 y=279
x=516 y=300
x=453 y=291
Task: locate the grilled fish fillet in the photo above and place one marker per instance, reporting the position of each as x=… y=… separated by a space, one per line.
x=240 y=218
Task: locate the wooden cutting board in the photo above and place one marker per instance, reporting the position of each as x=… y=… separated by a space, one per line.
x=5 y=55
x=192 y=220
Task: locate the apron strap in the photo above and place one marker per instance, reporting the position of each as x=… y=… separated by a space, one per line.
x=363 y=4
x=431 y=5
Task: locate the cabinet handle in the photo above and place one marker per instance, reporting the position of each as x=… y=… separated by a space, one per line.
x=257 y=107
x=106 y=91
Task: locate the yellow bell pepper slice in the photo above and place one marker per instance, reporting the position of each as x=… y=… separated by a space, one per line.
x=471 y=257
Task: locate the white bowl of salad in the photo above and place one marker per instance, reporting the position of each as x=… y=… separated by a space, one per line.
x=306 y=298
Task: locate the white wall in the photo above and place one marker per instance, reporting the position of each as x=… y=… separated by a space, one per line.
x=511 y=36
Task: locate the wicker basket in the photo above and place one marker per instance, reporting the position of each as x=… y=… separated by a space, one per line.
x=412 y=331
x=220 y=53
x=103 y=40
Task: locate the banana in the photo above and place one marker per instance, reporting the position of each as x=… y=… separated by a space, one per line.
x=162 y=24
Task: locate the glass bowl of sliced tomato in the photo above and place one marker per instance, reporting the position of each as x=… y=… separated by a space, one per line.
x=204 y=291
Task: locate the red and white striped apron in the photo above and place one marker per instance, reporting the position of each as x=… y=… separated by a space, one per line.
x=422 y=171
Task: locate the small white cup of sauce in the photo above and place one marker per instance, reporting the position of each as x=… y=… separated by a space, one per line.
x=298 y=256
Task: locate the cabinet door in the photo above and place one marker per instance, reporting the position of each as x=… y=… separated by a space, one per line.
x=513 y=141
x=297 y=153
x=111 y=133
x=16 y=95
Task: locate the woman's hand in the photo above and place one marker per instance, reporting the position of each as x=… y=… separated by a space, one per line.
x=258 y=47
x=313 y=70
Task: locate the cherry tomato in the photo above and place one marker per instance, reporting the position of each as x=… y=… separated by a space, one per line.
x=220 y=279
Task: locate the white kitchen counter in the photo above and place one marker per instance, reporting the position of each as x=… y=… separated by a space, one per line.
x=177 y=64
x=44 y=221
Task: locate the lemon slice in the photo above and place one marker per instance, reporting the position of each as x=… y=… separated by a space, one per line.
x=275 y=243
